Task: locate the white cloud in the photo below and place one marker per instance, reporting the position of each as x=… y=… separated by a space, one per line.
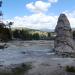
x=36 y=21
x=52 y=1
x=40 y=20
x=71 y=17
x=30 y=6
x=40 y=6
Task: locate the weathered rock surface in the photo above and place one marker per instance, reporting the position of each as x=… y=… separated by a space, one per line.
x=64 y=42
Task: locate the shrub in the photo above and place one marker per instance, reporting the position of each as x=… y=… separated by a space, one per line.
x=19 y=70
x=70 y=68
x=36 y=36
x=5 y=34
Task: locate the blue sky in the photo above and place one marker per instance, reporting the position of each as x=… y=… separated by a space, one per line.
x=20 y=10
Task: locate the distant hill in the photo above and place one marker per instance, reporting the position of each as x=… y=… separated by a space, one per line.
x=20 y=28
x=47 y=30
x=42 y=30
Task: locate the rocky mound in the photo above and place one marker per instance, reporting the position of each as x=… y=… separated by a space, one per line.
x=64 y=41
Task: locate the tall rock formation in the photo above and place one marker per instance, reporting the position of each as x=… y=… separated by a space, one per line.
x=64 y=42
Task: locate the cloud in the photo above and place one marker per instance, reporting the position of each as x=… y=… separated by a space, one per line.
x=40 y=20
x=36 y=21
x=71 y=17
x=52 y=1
x=40 y=6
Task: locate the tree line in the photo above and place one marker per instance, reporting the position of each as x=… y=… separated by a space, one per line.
x=28 y=35
x=6 y=35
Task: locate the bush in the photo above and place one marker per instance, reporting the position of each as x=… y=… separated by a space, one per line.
x=36 y=36
x=70 y=68
x=5 y=34
x=16 y=33
x=19 y=70
x=22 y=34
x=22 y=69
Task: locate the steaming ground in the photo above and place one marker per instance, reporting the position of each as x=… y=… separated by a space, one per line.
x=39 y=53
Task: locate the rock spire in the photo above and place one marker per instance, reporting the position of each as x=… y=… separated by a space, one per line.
x=64 y=41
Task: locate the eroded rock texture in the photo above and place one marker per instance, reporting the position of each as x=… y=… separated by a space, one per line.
x=64 y=42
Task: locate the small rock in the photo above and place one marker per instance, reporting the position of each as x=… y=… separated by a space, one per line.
x=23 y=52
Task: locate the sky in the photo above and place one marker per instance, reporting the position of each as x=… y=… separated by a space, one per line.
x=37 y=14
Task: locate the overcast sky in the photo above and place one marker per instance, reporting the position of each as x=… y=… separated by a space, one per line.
x=38 y=14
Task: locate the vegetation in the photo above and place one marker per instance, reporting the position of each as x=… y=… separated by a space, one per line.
x=22 y=69
x=36 y=36
x=5 y=34
x=25 y=34
x=49 y=34
x=19 y=70
x=70 y=69
x=22 y=34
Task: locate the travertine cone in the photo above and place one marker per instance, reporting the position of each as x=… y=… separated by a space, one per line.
x=63 y=41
